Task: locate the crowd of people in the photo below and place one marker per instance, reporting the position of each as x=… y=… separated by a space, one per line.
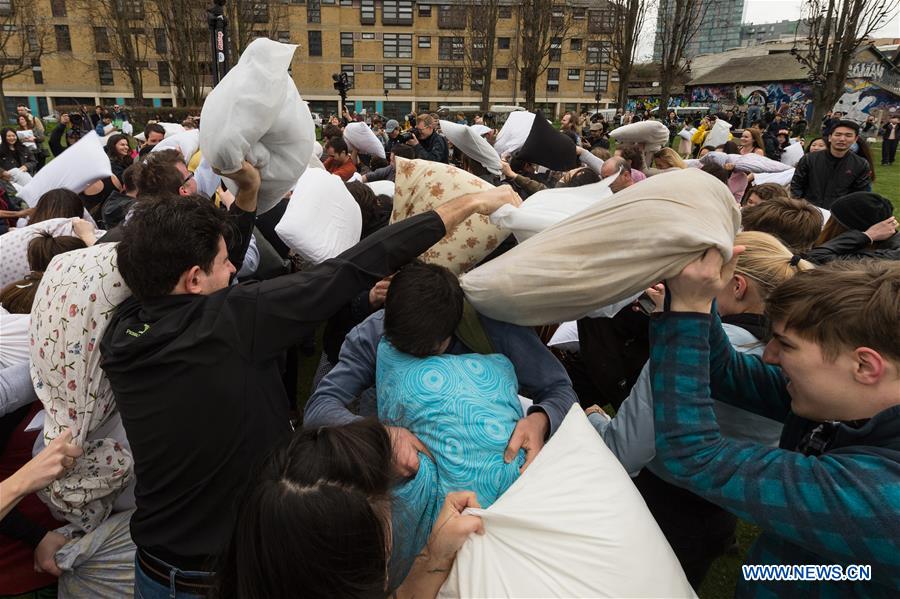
x=164 y=325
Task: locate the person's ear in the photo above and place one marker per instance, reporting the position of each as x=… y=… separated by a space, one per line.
x=739 y=286
x=190 y=280
x=869 y=366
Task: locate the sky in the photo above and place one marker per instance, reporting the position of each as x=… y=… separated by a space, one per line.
x=764 y=11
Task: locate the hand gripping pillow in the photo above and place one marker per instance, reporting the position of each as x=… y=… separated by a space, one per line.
x=464 y=409
x=792 y=154
x=754 y=163
x=550 y=206
x=382 y=188
x=514 y=132
x=359 y=136
x=640 y=236
x=423 y=185
x=255 y=113
x=573 y=525
x=473 y=145
x=651 y=133
x=186 y=142
x=76 y=168
x=322 y=219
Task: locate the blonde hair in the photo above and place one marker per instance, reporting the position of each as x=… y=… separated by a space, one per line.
x=767 y=261
x=668 y=158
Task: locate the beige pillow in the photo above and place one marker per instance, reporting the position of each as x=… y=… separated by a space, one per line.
x=423 y=185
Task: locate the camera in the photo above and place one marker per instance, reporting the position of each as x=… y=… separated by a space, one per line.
x=75 y=118
x=404 y=137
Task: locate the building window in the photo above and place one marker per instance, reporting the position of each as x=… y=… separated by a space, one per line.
x=63 y=41
x=424 y=72
x=595 y=80
x=598 y=52
x=368 y=68
x=31 y=34
x=283 y=36
x=574 y=74
x=36 y=71
x=314 y=41
x=368 y=36
x=58 y=8
x=131 y=9
x=575 y=45
x=346 y=2
x=397 y=12
x=553 y=79
x=162 y=69
x=346 y=44
x=314 y=15
x=601 y=21
x=424 y=10
x=555 y=49
x=477 y=80
x=503 y=43
x=260 y=12
x=451 y=17
x=101 y=40
x=397 y=45
x=504 y=12
x=397 y=76
x=104 y=67
x=502 y=74
x=579 y=13
x=450 y=78
x=348 y=70
x=451 y=48
x=367 y=12
x=424 y=41
x=161 y=41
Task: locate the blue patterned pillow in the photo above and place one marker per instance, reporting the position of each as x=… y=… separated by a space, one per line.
x=464 y=409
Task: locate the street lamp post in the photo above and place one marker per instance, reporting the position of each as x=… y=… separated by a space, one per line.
x=218 y=39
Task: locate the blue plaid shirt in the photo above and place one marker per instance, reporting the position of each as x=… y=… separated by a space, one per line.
x=840 y=507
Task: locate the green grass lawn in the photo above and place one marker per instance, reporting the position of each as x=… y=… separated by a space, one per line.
x=887 y=179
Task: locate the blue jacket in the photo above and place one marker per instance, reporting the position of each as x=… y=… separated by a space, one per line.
x=541 y=376
x=840 y=505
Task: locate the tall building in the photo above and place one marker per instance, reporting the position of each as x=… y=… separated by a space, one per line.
x=719 y=30
x=757 y=33
x=401 y=55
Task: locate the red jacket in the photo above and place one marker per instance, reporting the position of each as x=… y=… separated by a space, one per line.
x=344 y=171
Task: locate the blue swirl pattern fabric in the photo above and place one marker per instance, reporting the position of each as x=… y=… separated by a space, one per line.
x=463 y=408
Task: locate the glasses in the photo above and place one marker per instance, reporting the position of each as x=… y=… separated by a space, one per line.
x=187 y=179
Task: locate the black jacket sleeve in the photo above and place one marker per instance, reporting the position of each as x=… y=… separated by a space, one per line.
x=849 y=243
x=56 y=140
x=242 y=223
x=862 y=181
x=17 y=526
x=801 y=178
x=436 y=151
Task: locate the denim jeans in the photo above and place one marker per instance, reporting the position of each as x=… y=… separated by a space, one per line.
x=148 y=588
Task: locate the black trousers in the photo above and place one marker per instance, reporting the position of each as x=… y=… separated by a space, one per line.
x=888 y=151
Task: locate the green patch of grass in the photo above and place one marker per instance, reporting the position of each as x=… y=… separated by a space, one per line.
x=887 y=179
x=724 y=573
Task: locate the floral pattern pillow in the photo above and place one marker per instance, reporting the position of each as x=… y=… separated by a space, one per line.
x=423 y=185
x=73 y=306
x=14 y=247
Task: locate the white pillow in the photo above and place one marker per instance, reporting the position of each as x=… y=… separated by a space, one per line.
x=652 y=133
x=187 y=142
x=686 y=134
x=256 y=114
x=566 y=337
x=472 y=145
x=318 y=149
x=171 y=129
x=720 y=158
x=322 y=219
x=80 y=165
x=14 y=246
x=548 y=207
x=718 y=135
x=514 y=132
x=481 y=129
x=782 y=178
x=359 y=136
x=754 y=163
x=792 y=154
x=382 y=188
x=207 y=180
x=573 y=525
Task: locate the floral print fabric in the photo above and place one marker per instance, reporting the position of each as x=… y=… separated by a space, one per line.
x=75 y=301
x=423 y=185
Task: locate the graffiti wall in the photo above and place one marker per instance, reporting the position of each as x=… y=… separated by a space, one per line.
x=651 y=102
x=861 y=98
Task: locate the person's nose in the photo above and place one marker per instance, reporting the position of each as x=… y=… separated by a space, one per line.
x=772 y=353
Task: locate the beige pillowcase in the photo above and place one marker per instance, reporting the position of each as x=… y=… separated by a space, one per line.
x=615 y=249
x=423 y=185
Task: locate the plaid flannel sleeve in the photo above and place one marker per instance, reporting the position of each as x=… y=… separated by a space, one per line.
x=842 y=505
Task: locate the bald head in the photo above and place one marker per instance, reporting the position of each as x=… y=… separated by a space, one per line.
x=619 y=165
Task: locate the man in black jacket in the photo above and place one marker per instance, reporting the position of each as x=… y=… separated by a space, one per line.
x=428 y=143
x=890 y=134
x=194 y=362
x=822 y=177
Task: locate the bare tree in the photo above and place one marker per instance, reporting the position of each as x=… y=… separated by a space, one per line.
x=24 y=39
x=248 y=20
x=837 y=28
x=543 y=24
x=677 y=23
x=629 y=18
x=187 y=46
x=480 y=37
x=119 y=28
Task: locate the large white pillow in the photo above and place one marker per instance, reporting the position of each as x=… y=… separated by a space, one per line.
x=80 y=165
x=481 y=129
x=359 y=136
x=256 y=114
x=719 y=133
x=383 y=188
x=207 y=180
x=514 y=132
x=472 y=144
x=652 y=133
x=322 y=219
x=170 y=128
x=187 y=142
x=754 y=163
x=792 y=154
x=573 y=525
x=782 y=178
